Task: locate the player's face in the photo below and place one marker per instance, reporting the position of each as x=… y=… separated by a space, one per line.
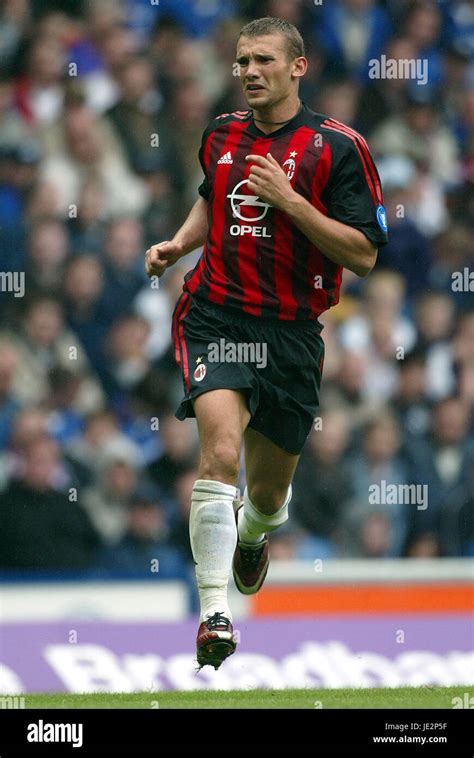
x=266 y=72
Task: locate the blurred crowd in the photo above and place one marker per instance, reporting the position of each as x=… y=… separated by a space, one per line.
x=102 y=108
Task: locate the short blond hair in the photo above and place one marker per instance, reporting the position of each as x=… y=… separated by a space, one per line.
x=273 y=25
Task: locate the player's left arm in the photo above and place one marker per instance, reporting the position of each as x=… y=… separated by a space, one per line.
x=343 y=244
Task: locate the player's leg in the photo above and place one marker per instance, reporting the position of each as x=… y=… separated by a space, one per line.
x=222 y=417
x=288 y=402
x=269 y=471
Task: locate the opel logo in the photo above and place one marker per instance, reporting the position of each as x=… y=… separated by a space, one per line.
x=241 y=201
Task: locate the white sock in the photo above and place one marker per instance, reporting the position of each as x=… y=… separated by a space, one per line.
x=213 y=535
x=253 y=525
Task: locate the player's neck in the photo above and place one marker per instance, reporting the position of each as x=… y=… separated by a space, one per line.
x=271 y=119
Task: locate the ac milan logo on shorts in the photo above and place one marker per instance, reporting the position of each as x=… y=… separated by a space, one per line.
x=199 y=372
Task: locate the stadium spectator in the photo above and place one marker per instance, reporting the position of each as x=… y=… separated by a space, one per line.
x=367 y=533
x=434 y=315
x=348 y=392
x=191 y=109
x=456 y=527
x=99 y=427
x=196 y=19
x=14 y=20
x=143 y=551
x=117 y=475
x=87 y=228
x=44 y=343
x=421 y=24
x=155 y=304
x=453 y=253
x=27 y=424
x=425 y=545
x=464 y=338
x=39 y=92
x=47 y=252
x=410 y=401
x=444 y=464
x=322 y=486
x=41 y=527
x=138 y=115
x=64 y=421
x=379 y=331
x=86 y=151
x=163 y=204
x=13 y=129
x=382 y=98
x=126 y=351
x=9 y=405
x=179 y=440
x=339 y=98
x=418 y=133
x=383 y=297
x=228 y=95
x=18 y=182
x=372 y=525
x=85 y=311
x=122 y=265
x=408 y=250
x=285 y=545
x=351 y=33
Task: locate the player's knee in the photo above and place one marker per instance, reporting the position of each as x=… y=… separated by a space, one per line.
x=221 y=462
x=267 y=500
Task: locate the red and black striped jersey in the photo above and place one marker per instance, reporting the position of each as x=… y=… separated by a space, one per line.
x=255 y=260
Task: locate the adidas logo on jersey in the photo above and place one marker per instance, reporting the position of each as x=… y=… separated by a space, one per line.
x=227 y=158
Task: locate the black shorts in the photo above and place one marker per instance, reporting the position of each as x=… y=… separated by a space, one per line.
x=276 y=364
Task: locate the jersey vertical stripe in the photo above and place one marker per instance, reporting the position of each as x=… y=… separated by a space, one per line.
x=273 y=261
x=217 y=280
x=306 y=257
x=369 y=169
x=322 y=274
x=252 y=293
x=204 y=261
x=181 y=353
x=295 y=285
x=239 y=276
x=367 y=156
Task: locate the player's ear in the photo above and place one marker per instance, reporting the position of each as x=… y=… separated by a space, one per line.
x=299 y=67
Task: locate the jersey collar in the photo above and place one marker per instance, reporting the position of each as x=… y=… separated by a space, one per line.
x=297 y=121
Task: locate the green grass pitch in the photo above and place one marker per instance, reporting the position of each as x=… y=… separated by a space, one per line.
x=403 y=697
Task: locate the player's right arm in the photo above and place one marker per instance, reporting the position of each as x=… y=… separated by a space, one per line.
x=190 y=236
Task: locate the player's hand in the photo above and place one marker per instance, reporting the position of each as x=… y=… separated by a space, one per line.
x=159 y=257
x=268 y=181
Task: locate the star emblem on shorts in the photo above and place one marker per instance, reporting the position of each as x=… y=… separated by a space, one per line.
x=293 y=154
x=199 y=359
